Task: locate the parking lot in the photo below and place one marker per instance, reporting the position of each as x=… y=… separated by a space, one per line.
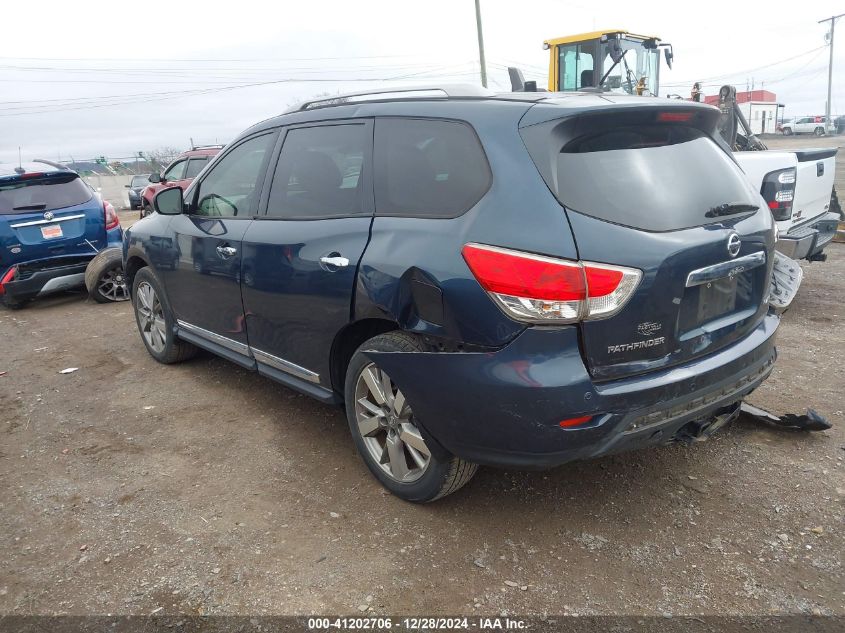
x=200 y=488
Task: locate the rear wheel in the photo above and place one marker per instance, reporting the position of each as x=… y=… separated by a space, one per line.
x=155 y=320
x=386 y=433
x=819 y=131
x=104 y=277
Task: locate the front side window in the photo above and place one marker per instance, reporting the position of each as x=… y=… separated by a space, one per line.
x=195 y=166
x=232 y=187
x=176 y=171
x=428 y=167
x=319 y=173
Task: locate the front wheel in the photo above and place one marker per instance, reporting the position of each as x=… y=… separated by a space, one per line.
x=386 y=432
x=156 y=322
x=146 y=210
x=787 y=131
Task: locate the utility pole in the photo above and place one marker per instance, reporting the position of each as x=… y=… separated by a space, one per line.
x=481 y=59
x=832 y=21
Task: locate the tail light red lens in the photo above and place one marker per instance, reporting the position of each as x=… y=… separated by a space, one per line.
x=10 y=274
x=111 y=215
x=674 y=117
x=540 y=289
x=778 y=191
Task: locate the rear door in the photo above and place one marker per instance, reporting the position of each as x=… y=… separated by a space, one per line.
x=301 y=258
x=660 y=195
x=49 y=215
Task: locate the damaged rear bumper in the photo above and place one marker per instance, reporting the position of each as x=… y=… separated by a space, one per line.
x=503 y=408
x=809 y=240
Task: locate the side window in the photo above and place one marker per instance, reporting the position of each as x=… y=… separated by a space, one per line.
x=195 y=166
x=319 y=173
x=231 y=188
x=176 y=171
x=428 y=167
x=575 y=65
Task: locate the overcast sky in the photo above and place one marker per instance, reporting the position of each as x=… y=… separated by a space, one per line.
x=112 y=78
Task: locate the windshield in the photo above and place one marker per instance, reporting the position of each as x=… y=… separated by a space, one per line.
x=637 y=62
x=140 y=181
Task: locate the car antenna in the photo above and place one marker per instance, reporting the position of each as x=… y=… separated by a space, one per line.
x=19 y=169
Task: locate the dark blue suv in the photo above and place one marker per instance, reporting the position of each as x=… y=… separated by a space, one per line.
x=517 y=280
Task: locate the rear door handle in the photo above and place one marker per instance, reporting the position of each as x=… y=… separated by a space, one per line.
x=336 y=261
x=226 y=251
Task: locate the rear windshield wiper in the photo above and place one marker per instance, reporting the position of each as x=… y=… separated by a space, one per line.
x=730 y=209
x=30 y=207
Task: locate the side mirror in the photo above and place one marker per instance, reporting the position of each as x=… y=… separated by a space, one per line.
x=154 y=178
x=128 y=186
x=669 y=55
x=169 y=201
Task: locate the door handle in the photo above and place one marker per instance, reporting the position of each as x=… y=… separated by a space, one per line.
x=336 y=261
x=226 y=251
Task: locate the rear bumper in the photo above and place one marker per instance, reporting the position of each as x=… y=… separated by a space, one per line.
x=503 y=408
x=45 y=281
x=809 y=239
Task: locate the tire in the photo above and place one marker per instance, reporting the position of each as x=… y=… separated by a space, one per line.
x=402 y=473
x=104 y=277
x=835 y=207
x=14 y=304
x=146 y=210
x=787 y=131
x=155 y=320
x=819 y=131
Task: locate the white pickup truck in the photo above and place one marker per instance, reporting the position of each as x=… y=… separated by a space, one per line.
x=797 y=187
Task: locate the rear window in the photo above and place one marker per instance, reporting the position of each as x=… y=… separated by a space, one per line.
x=428 y=167
x=45 y=194
x=195 y=166
x=650 y=177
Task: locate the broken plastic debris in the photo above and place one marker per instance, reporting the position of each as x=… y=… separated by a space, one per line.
x=811 y=421
x=69 y=370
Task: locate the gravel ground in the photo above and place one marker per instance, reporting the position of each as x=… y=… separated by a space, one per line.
x=130 y=487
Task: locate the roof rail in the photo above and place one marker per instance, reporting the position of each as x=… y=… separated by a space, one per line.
x=212 y=146
x=51 y=163
x=452 y=91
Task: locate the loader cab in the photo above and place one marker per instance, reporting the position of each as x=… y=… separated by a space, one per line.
x=611 y=61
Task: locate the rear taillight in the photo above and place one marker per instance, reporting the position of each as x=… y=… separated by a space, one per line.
x=779 y=190
x=9 y=276
x=540 y=289
x=111 y=216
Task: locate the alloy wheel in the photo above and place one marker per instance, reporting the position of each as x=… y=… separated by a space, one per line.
x=112 y=285
x=386 y=424
x=151 y=317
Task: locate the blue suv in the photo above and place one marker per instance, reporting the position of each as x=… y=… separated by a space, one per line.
x=517 y=280
x=52 y=225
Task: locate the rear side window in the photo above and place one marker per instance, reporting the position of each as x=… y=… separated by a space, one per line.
x=649 y=177
x=46 y=194
x=319 y=173
x=428 y=167
x=195 y=166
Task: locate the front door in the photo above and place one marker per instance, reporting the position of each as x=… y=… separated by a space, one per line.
x=204 y=287
x=301 y=257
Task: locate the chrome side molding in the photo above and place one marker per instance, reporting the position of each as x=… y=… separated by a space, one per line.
x=262 y=357
x=63 y=218
x=284 y=365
